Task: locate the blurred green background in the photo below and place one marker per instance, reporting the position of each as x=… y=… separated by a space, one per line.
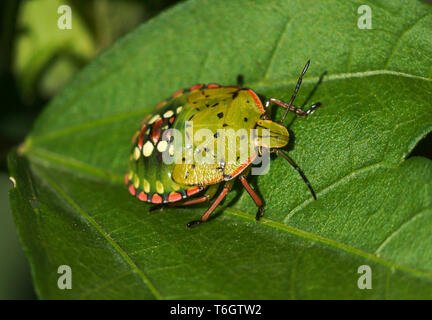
x=37 y=59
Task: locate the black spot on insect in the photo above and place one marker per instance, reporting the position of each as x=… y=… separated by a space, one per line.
x=197 y=109
x=191 y=118
x=227 y=177
x=238 y=158
x=214 y=105
x=187 y=174
x=235 y=94
x=207 y=105
x=183 y=159
x=247 y=101
x=216 y=135
x=207 y=95
x=195 y=102
x=206 y=149
x=220 y=115
x=245 y=119
x=193 y=166
x=224 y=125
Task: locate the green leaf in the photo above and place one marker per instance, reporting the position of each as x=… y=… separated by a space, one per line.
x=374 y=202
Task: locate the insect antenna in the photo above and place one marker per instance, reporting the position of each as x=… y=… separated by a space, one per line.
x=289 y=106
x=299 y=81
x=295 y=166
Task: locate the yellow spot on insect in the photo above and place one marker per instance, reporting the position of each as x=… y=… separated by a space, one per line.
x=148 y=149
x=153 y=120
x=136 y=182
x=162 y=145
x=146 y=186
x=137 y=153
x=179 y=109
x=175 y=187
x=171 y=150
x=168 y=114
x=159 y=187
x=131 y=174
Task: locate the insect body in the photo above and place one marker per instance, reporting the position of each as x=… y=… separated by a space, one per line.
x=196 y=172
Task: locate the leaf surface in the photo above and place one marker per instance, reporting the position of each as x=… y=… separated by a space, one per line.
x=374 y=203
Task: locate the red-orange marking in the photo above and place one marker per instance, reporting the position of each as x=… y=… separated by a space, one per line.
x=243 y=166
x=132 y=190
x=171 y=120
x=156 y=131
x=192 y=191
x=174 y=196
x=213 y=85
x=126 y=178
x=195 y=87
x=160 y=104
x=140 y=140
x=142 y=196
x=257 y=101
x=156 y=198
x=176 y=94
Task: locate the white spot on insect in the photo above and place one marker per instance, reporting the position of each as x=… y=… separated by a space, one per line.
x=137 y=153
x=159 y=187
x=154 y=119
x=168 y=114
x=162 y=146
x=12 y=179
x=179 y=109
x=171 y=150
x=146 y=186
x=148 y=149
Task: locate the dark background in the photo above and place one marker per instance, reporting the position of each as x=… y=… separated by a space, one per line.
x=34 y=66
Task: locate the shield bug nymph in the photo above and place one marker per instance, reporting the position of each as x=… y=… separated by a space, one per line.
x=215 y=108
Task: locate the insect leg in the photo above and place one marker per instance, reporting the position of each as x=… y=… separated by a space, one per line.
x=240 y=81
x=256 y=198
x=220 y=197
x=295 y=166
x=208 y=195
x=298 y=111
x=210 y=192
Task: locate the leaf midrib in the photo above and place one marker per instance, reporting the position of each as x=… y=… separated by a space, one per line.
x=264 y=221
